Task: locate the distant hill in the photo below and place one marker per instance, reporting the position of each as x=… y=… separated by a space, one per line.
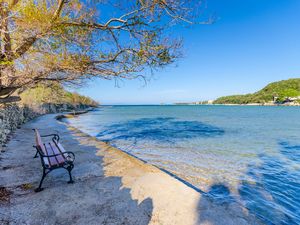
x=280 y=91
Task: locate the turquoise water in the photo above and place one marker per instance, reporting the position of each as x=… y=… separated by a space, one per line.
x=247 y=154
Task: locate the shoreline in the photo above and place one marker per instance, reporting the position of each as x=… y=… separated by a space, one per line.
x=277 y=105
x=252 y=104
x=72 y=115
x=258 y=104
x=113 y=186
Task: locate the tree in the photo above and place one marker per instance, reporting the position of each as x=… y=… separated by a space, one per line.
x=70 y=41
x=55 y=94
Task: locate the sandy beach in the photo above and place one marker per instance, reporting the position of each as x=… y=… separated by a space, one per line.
x=111 y=187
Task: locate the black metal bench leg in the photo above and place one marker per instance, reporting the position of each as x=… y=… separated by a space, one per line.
x=36 y=154
x=41 y=182
x=71 y=181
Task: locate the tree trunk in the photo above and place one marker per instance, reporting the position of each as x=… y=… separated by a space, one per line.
x=6 y=67
x=6 y=49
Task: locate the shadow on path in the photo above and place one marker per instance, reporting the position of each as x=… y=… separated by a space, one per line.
x=93 y=198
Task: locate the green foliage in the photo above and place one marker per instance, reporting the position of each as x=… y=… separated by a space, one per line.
x=54 y=94
x=77 y=99
x=280 y=89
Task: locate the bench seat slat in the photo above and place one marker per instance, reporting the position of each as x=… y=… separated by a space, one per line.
x=61 y=148
x=51 y=149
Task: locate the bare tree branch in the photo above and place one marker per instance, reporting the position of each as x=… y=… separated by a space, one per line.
x=63 y=41
x=58 y=10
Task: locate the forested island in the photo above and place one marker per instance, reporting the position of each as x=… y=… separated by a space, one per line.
x=280 y=92
x=284 y=92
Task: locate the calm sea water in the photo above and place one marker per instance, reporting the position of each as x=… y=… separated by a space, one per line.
x=247 y=154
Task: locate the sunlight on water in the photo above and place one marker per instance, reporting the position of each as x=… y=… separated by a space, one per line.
x=252 y=151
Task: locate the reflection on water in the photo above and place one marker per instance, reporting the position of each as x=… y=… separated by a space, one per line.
x=249 y=155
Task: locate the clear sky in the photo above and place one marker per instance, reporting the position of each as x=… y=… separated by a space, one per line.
x=252 y=43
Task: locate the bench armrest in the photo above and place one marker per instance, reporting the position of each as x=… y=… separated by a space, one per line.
x=67 y=153
x=55 y=136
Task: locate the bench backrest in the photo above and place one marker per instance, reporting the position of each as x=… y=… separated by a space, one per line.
x=38 y=141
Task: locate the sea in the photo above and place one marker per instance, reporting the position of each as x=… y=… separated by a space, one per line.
x=244 y=154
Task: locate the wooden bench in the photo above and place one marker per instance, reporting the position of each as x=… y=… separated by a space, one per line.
x=53 y=156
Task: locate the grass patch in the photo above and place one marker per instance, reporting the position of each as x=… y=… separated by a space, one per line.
x=26 y=187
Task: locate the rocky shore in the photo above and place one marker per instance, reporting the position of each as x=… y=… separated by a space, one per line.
x=111 y=187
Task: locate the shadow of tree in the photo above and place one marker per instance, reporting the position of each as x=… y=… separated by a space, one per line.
x=166 y=129
x=274 y=197
x=290 y=151
x=220 y=193
x=101 y=200
x=116 y=205
x=219 y=207
x=270 y=192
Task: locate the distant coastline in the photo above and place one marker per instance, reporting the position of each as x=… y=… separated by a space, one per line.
x=280 y=93
x=232 y=104
x=259 y=104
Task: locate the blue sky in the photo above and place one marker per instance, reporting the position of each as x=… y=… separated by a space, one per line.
x=252 y=43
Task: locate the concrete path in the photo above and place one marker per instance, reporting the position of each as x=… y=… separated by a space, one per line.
x=110 y=187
